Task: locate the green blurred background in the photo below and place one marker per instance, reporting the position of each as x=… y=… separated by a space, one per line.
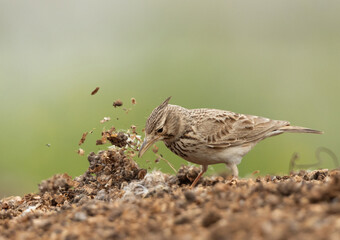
x=278 y=59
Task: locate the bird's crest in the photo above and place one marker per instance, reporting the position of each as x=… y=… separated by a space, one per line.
x=156 y=116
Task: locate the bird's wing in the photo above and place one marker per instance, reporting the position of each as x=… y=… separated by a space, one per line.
x=221 y=129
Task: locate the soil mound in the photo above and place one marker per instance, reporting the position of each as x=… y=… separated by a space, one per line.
x=115 y=199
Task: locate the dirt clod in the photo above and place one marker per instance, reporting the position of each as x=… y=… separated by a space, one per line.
x=95 y=91
x=117 y=103
x=119 y=140
x=83 y=138
x=81 y=152
x=155 y=148
x=210 y=218
x=187 y=174
x=105 y=119
x=190 y=196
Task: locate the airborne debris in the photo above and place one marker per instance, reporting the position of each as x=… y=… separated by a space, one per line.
x=112 y=129
x=81 y=152
x=83 y=137
x=117 y=103
x=127 y=110
x=155 y=148
x=95 y=91
x=133 y=101
x=105 y=119
x=124 y=140
x=133 y=127
x=103 y=138
x=118 y=139
x=48 y=145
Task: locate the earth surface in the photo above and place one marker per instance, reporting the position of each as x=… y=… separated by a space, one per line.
x=115 y=199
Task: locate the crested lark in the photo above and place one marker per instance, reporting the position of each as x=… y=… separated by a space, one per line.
x=210 y=136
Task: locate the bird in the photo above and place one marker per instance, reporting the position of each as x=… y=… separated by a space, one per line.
x=210 y=136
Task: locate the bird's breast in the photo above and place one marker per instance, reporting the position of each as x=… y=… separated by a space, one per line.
x=178 y=147
x=203 y=155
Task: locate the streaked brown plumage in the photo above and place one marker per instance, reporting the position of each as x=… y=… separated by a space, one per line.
x=209 y=136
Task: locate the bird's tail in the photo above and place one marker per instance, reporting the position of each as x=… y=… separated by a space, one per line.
x=297 y=129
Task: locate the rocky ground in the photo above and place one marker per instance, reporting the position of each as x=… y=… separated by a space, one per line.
x=115 y=199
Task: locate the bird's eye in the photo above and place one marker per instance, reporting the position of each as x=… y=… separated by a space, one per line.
x=160 y=130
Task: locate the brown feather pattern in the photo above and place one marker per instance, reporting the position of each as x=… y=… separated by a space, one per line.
x=208 y=136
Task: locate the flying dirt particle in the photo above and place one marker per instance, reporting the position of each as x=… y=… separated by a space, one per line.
x=105 y=119
x=104 y=137
x=81 y=152
x=133 y=101
x=133 y=127
x=127 y=110
x=48 y=145
x=99 y=142
x=119 y=140
x=255 y=172
x=112 y=129
x=95 y=91
x=83 y=137
x=117 y=103
x=155 y=149
x=131 y=154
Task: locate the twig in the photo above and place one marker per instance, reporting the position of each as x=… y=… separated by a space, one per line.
x=329 y=152
x=295 y=157
x=159 y=156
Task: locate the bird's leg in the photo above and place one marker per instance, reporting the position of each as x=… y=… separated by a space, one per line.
x=204 y=169
x=234 y=170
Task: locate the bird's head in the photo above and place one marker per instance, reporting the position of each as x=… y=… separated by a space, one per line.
x=161 y=125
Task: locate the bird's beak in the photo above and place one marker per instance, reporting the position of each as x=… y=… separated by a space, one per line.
x=146 y=144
